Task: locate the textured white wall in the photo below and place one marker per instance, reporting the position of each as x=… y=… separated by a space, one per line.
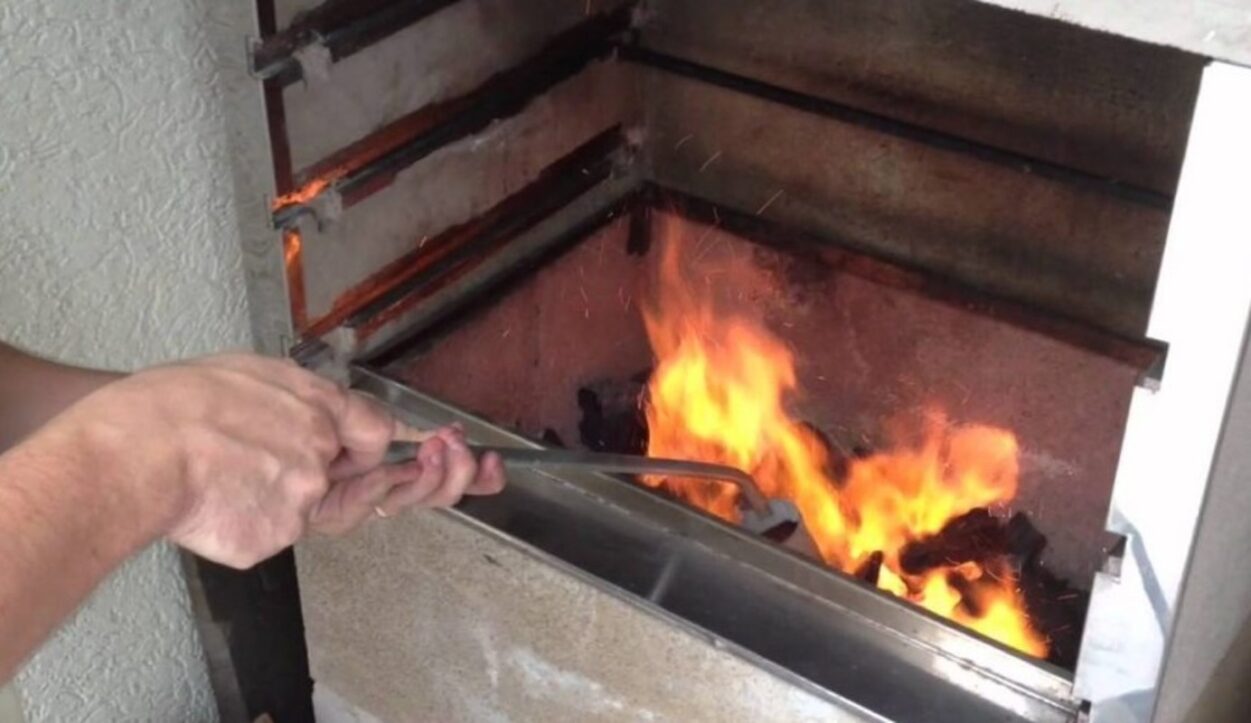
x=119 y=247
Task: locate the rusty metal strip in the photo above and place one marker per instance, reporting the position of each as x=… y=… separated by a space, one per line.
x=377 y=298
x=292 y=247
x=364 y=167
x=342 y=26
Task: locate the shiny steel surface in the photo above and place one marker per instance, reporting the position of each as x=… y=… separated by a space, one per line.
x=816 y=627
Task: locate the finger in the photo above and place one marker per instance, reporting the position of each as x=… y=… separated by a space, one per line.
x=365 y=429
x=491 y=477
x=462 y=469
x=354 y=462
x=432 y=460
x=352 y=501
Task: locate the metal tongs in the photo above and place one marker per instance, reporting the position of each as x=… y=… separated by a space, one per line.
x=760 y=514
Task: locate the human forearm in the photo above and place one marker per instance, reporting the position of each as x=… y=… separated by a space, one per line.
x=33 y=390
x=70 y=514
x=233 y=458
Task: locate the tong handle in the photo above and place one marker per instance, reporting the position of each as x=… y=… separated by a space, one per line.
x=530 y=458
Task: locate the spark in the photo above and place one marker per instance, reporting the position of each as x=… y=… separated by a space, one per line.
x=710 y=161
x=683 y=141
x=719 y=243
x=769 y=203
x=699 y=242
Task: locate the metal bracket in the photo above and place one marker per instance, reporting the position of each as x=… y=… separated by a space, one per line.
x=1114 y=559
x=327 y=207
x=314 y=59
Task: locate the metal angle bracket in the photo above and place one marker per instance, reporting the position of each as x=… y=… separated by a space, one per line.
x=327 y=207
x=314 y=59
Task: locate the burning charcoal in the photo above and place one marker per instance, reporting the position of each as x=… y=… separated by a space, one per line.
x=969 y=599
x=1025 y=542
x=837 y=462
x=819 y=434
x=1012 y=548
x=612 y=420
x=871 y=569
x=975 y=536
x=1059 y=610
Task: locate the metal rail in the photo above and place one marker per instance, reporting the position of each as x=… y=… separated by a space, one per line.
x=1146 y=355
x=900 y=129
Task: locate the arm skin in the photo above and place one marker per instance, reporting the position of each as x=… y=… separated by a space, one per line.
x=55 y=549
x=233 y=458
x=33 y=390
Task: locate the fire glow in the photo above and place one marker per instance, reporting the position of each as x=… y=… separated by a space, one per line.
x=719 y=393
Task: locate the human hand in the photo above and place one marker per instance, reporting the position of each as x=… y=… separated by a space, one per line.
x=235 y=457
x=443 y=471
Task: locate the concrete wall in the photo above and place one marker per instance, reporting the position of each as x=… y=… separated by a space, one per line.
x=119 y=247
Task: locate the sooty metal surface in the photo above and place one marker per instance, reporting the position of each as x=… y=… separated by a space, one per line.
x=807 y=623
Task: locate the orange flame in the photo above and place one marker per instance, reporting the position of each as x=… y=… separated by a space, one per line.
x=718 y=394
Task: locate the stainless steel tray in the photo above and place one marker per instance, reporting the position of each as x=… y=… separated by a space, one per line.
x=810 y=624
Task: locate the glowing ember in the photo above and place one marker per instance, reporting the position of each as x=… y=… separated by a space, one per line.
x=718 y=394
x=304 y=193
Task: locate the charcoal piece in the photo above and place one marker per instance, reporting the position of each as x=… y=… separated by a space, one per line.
x=819 y=434
x=975 y=536
x=612 y=417
x=1025 y=542
x=839 y=460
x=870 y=569
x=551 y=438
x=970 y=600
x=1058 y=609
x=836 y=462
